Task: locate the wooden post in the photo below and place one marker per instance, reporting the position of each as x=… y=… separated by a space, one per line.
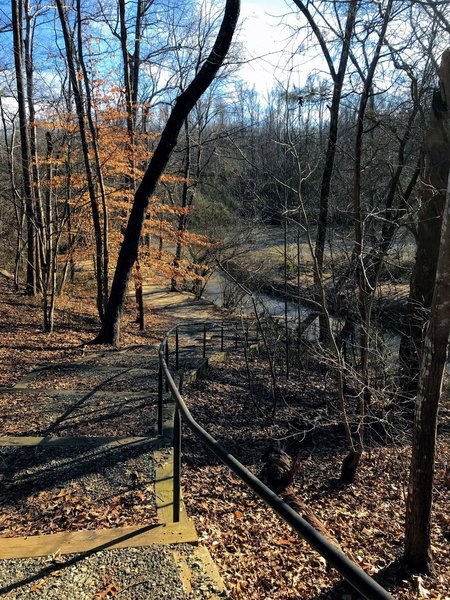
x=176 y=465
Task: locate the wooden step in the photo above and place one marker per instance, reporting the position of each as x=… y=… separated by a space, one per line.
x=70 y=542
x=52 y=441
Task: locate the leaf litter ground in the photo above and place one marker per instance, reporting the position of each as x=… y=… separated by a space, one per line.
x=90 y=485
x=259 y=556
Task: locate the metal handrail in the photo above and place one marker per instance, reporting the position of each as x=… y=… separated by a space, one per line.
x=354 y=575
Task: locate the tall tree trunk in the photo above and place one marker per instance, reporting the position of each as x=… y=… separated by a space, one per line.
x=19 y=211
x=433 y=193
x=79 y=104
x=365 y=291
x=49 y=262
x=327 y=175
x=183 y=105
x=17 y=22
x=131 y=85
x=97 y=163
x=420 y=490
x=185 y=202
x=40 y=241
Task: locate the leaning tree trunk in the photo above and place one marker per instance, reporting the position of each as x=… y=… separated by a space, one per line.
x=110 y=331
x=420 y=491
x=436 y=171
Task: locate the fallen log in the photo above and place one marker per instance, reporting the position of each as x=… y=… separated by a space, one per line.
x=278 y=473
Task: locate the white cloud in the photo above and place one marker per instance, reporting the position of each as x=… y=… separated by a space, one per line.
x=270 y=45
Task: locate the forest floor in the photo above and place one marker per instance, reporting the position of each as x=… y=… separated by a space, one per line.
x=258 y=556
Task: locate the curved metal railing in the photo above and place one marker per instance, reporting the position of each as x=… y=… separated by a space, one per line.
x=354 y=575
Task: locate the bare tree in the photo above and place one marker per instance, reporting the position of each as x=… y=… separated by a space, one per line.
x=17 y=22
x=75 y=81
x=110 y=331
x=338 y=76
x=420 y=491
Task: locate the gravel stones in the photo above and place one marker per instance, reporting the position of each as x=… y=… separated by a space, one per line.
x=149 y=573
x=132 y=573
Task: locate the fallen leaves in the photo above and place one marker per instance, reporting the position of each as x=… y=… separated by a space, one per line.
x=110 y=591
x=259 y=557
x=47 y=514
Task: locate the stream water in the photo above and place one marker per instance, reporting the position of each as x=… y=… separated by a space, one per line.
x=224 y=292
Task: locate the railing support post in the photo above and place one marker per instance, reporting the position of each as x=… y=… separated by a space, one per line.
x=177 y=350
x=167 y=361
x=221 y=338
x=176 y=465
x=160 y=399
x=204 y=340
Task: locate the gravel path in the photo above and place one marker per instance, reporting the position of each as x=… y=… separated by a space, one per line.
x=149 y=573
x=48 y=489
x=132 y=573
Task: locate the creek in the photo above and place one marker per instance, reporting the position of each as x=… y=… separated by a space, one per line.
x=223 y=292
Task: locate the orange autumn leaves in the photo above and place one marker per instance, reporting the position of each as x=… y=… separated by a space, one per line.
x=122 y=165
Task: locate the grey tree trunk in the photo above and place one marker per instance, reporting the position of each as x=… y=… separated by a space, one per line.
x=420 y=490
x=17 y=22
x=327 y=175
x=434 y=184
x=80 y=110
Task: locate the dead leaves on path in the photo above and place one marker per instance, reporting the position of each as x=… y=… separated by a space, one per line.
x=70 y=509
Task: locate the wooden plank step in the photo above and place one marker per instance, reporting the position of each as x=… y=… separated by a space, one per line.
x=111 y=441
x=90 y=367
x=66 y=392
x=164 y=489
x=71 y=542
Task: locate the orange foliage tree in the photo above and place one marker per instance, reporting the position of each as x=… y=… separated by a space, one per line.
x=119 y=163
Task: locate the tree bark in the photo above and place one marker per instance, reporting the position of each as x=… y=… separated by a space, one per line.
x=131 y=85
x=338 y=81
x=17 y=21
x=104 y=233
x=434 y=183
x=365 y=291
x=79 y=105
x=420 y=491
x=36 y=185
x=185 y=202
x=110 y=332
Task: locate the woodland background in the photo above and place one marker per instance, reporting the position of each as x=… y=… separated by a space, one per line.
x=328 y=197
